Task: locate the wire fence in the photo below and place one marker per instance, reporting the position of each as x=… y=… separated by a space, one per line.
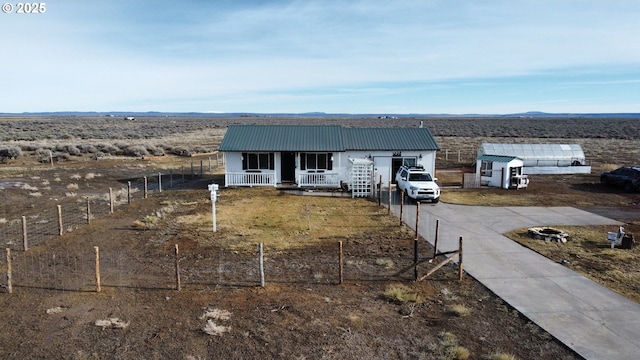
x=79 y=270
x=39 y=226
x=71 y=271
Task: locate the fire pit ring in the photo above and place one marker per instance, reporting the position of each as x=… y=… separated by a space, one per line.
x=548 y=234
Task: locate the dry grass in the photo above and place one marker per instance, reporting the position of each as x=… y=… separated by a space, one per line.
x=500 y=356
x=401 y=294
x=589 y=253
x=460 y=310
x=284 y=221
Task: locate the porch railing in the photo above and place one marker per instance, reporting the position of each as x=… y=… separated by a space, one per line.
x=250 y=179
x=319 y=180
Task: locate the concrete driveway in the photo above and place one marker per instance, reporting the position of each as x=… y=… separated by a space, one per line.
x=594 y=321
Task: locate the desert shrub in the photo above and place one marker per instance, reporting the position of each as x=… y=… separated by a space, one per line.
x=88 y=149
x=155 y=151
x=60 y=156
x=73 y=150
x=201 y=149
x=108 y=149
x=10 y=152
x=42 y=152
x=182 y=151
x=135 y=150
x=167 y=148
x=31 y=147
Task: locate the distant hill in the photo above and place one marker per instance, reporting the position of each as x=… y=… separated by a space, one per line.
x=529 y=114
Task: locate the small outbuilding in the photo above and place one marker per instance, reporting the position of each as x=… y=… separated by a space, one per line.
x=501 y=171
x=542 y=158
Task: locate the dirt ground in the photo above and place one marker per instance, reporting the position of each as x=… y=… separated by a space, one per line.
x=293 y=317
x=301 y=313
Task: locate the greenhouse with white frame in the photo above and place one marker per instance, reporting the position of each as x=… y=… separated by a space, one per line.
x=542 y=158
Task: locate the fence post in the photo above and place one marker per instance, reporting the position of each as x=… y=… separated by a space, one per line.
x=389 y=205
x=88 y=211
x=160 y=182
x=261 y=263
x=97 y=252
x=435 y=241
x=380 y=191
x=110 y=200
x=340 y=261
x=401 y=205
x=9 y=276
x=201 y=168
x=460 y=259
x=178 y=284
x=417 y=218
x=146 y=187
x=415 y=260
x=60 y=219
x=171 y=178
x=129 y=192
x=209 y=163
x=25 y=243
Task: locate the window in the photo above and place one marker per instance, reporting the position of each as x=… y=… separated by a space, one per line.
x=409 y=161
x=316 y=161
x=487 y=167
x=258 y=161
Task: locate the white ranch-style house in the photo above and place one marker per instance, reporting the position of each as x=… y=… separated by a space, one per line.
x=329 y=156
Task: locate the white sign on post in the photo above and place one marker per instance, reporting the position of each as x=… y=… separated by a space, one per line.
x=214 y=198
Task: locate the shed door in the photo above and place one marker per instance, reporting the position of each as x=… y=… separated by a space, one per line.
x=288 y=167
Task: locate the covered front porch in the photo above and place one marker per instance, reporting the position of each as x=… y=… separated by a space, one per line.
x=270 y=178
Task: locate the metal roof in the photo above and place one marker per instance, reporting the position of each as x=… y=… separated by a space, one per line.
x=325 y=138
x=496 y=158
x=389 y=139
x=283 y=138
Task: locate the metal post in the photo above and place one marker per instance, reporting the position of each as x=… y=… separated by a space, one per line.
x=261 y=263
x=178 y=284
x=25 y=244
x=417 y=218
x=88 y=211
x=9 y=276
x=97 y=253
x=110 y=200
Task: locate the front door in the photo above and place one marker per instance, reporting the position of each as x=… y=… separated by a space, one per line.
x=288 y=167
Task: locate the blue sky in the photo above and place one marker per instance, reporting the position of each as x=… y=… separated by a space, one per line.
x=370 y=56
